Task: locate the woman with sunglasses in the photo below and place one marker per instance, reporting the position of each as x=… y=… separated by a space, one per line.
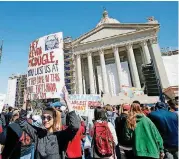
x=51 y=143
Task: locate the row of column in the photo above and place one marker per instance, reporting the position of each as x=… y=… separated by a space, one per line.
x=132 y=63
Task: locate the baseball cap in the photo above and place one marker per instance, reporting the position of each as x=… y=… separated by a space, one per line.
x=126 y=107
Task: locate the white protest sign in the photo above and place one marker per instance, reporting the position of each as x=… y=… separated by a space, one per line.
x=82 y=102
x=45 y=78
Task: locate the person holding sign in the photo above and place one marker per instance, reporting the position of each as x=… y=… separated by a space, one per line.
x=50 y=143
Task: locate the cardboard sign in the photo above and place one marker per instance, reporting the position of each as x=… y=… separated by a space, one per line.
x=45 y=78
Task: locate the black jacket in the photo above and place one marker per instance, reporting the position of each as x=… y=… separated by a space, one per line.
x=10 y=138
x=120 y=123
x=50 y=145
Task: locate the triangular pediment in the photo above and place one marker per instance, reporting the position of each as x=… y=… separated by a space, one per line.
x=107 y=31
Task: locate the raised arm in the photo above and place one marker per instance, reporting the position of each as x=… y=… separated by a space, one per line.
x=73 y=123
x=32 y=131
x=66 y=99
x=72 y=119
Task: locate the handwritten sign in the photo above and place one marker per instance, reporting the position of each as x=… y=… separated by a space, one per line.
x=82 y=102
x=132 y=91
x=45 y=78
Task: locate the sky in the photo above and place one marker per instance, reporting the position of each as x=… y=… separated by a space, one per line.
x=23 y=22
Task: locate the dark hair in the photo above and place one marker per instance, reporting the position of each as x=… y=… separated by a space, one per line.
x=10 y=109
x=136 y=101
x=152 y=108
x=142 y=105
x=52 y=110
x=100 y=114
x=117 y=107
x=172 y=104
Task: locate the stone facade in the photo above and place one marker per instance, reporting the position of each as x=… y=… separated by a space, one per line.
x=112 y=42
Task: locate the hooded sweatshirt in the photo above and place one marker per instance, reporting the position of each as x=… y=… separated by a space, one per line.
x=146 y=139
x=50 y=145
x=167 y=124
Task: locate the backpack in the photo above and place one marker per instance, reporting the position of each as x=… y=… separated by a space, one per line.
x=111 y=118
x=16 y=139
x=103 y=140
x=74 y=149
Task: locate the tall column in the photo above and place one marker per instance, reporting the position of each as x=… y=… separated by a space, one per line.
x=91 y=74
x=133 y=66
x=79 y=75
x=104 y=73
x=146 y=53
x=118 y=65
x=158 y=63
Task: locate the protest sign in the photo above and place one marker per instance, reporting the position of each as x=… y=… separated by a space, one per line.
x=82 y=102
x=45 y=78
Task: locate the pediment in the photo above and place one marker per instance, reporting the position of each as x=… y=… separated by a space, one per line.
x=107 y=31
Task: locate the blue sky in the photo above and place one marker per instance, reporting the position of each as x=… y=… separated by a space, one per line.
x=22 y=22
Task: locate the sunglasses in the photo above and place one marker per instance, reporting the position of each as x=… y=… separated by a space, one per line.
x=47 y=117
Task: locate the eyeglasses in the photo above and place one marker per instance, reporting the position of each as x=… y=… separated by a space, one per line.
x=47 y=117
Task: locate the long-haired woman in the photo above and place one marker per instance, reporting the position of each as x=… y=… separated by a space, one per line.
x=50 y=142
x=101 y=123
x=146 y=140
x=120 y=125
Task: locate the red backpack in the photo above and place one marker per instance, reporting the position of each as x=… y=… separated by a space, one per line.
x=103 y=140
x=74 y=149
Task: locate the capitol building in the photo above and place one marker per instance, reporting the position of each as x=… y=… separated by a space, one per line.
x=109 y=58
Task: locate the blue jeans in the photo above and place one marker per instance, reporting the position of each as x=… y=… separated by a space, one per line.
x=171 y=153
x=118 y=153
x=29 y=153
x=86 y=152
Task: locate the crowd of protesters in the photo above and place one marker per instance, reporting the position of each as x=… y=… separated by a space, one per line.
x=127 y=131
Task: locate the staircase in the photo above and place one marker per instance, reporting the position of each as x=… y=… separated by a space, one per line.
x=151 y=82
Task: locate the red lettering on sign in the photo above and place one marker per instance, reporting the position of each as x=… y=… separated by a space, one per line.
x=42 y=60
x=47 y=78
x=34 y=51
